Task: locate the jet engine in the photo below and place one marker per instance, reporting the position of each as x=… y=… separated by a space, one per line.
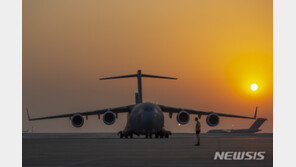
x=77 y=120
x=183 y=117
x=109 y=117
x=213 y=119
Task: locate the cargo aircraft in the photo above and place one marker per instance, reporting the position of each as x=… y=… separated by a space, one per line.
x=143 y=118
x=253 y=128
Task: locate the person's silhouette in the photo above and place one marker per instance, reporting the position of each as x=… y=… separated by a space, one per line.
x=197 y=131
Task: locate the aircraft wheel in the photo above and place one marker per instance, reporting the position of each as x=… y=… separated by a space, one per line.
x=156 y=135
x=166 y=135
x=121 y=135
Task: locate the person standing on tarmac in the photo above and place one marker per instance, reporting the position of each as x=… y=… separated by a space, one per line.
x=197 y=131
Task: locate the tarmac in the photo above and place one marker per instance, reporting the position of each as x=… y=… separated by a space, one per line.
x=108 y=150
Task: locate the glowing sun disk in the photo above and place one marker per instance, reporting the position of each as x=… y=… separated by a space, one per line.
x=254 y=87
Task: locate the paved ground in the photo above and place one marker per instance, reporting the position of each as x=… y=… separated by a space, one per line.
x=108 y=150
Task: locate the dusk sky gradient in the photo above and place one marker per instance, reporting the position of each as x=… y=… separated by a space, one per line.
x=216 y=49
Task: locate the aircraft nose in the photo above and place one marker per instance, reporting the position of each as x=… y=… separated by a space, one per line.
x=147 y=117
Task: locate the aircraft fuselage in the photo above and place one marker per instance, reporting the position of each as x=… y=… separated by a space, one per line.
x=145 y=118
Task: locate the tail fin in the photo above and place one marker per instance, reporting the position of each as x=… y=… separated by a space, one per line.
x=139 y=76
x=137 y=98
x=257 y=123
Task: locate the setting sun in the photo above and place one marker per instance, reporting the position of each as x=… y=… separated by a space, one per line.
x=254 y=87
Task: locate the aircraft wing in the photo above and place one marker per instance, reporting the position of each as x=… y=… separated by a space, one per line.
x=199 y=113
x=95 y=112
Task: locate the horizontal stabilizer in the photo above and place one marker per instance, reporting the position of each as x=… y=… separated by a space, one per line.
x=118 y=77
x=139 y=76
x=155 y=76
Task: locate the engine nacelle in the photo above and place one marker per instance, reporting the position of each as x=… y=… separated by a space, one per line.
x=213 y=119
x=77 y=120
x=183 y=117
x=109 y=117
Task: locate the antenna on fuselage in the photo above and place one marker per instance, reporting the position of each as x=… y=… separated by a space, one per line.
x=139 y=76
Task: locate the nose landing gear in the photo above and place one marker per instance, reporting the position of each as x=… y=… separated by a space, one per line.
x=148 y=134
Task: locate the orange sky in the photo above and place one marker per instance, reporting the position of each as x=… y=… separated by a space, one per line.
x=216 y=48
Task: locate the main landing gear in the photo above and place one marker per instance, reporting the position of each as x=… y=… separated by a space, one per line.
x=122 y=134
x=163 y=134
x=148 y=134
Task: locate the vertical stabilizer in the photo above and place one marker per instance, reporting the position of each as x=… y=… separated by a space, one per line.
x=256 y=125
x=137 y=98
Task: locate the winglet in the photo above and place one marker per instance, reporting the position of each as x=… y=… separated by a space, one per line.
x=28 y=114
x=255 y=115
